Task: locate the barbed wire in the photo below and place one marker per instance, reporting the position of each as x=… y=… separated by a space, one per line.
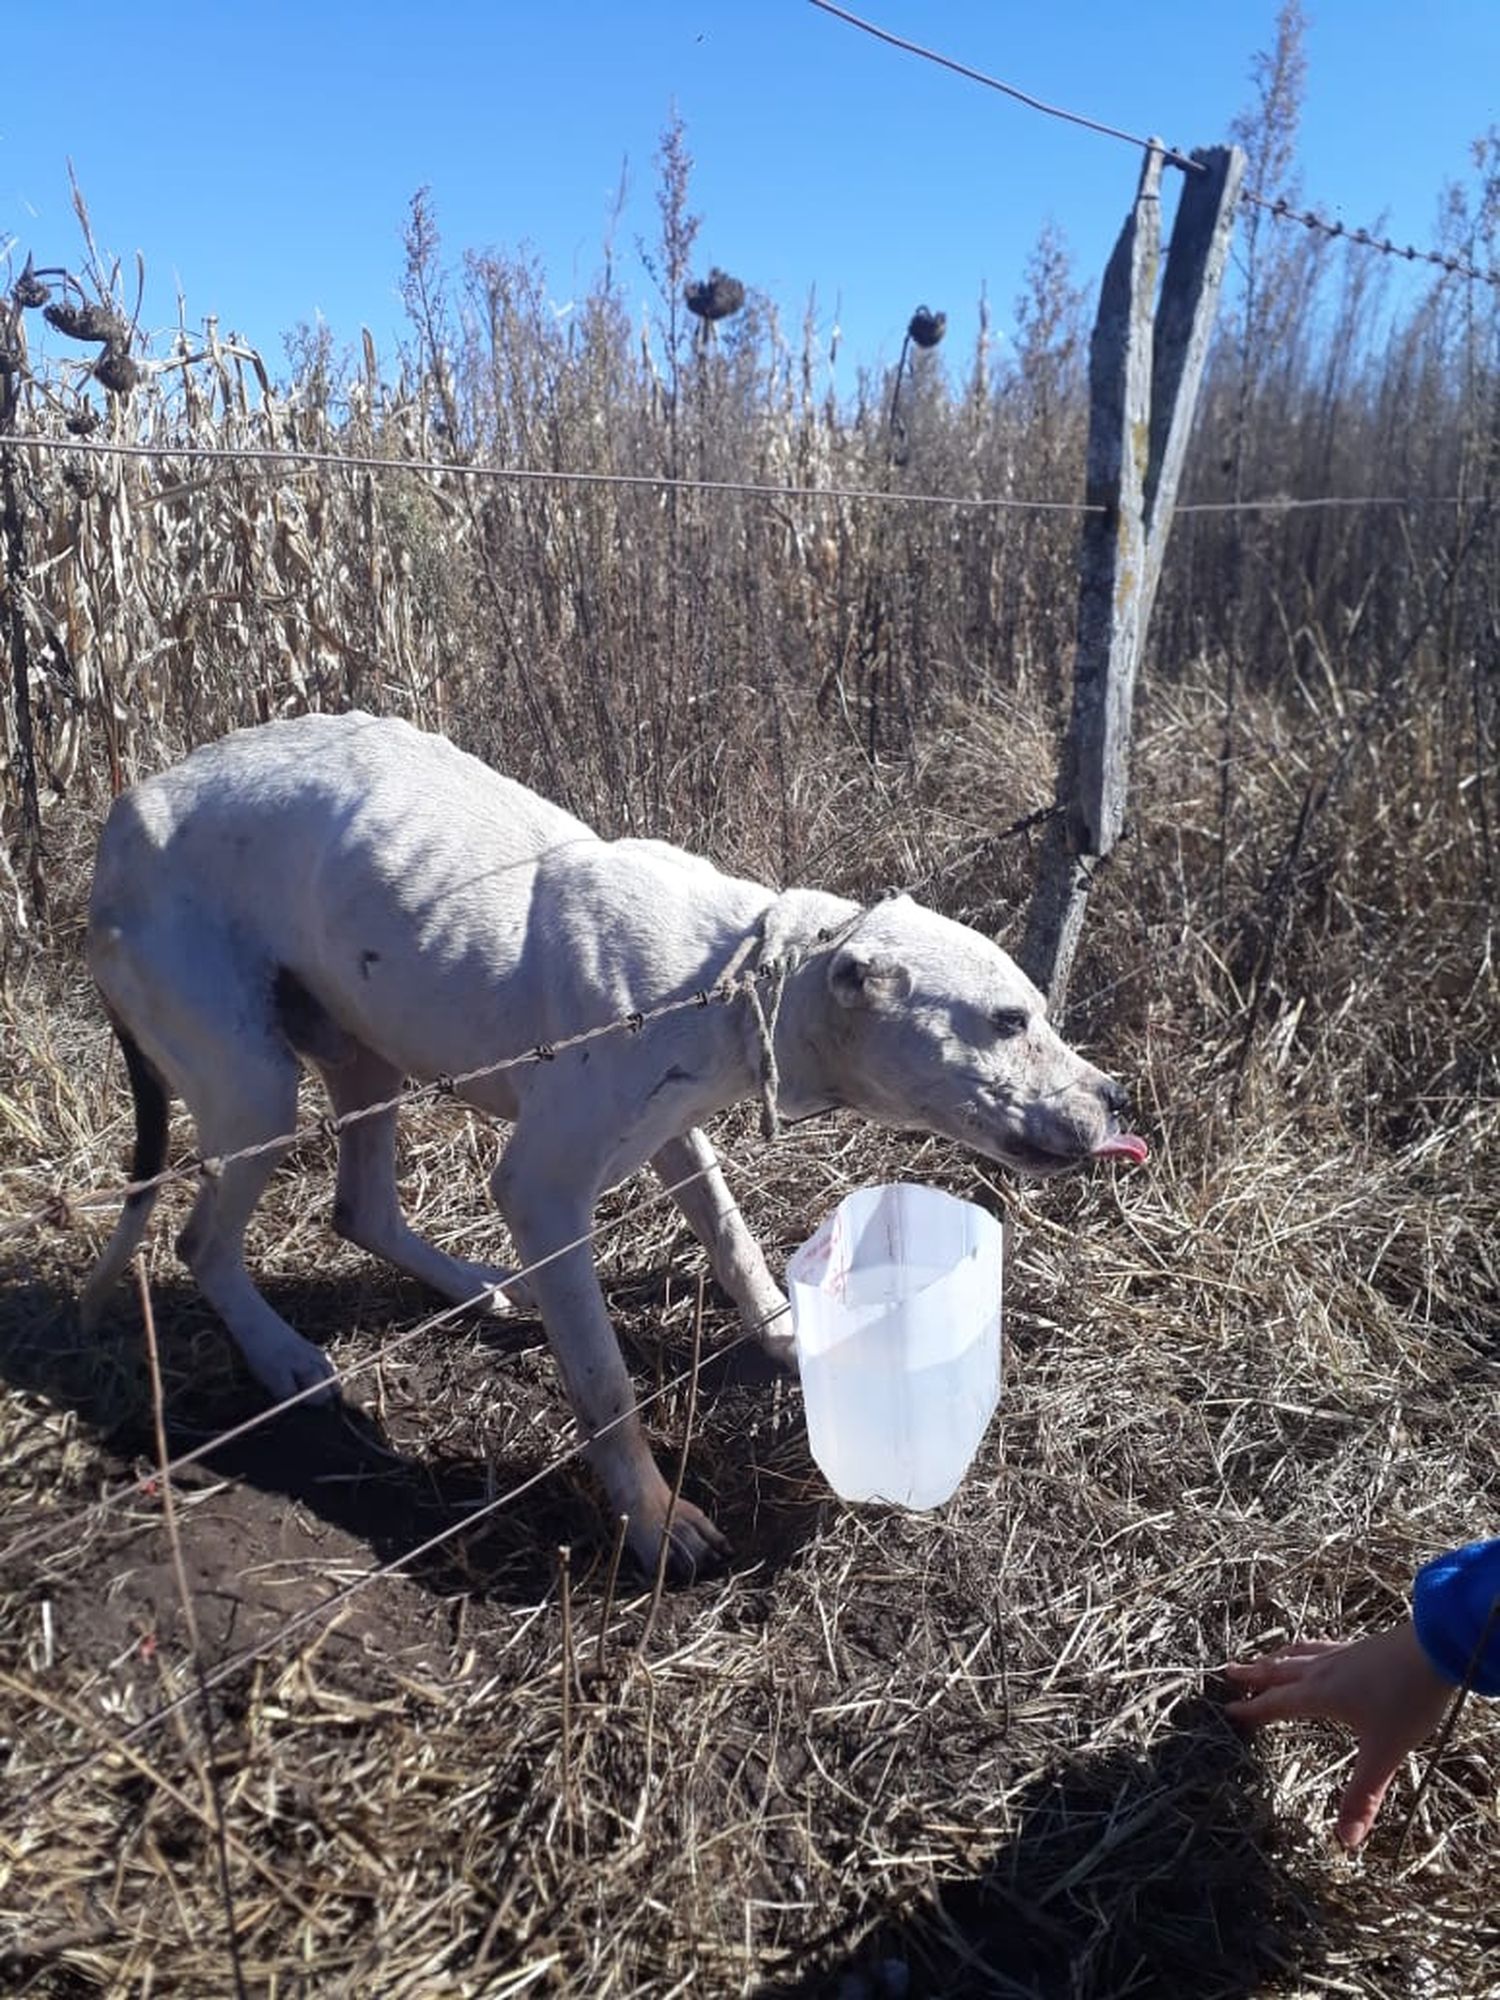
x=34 y=1540
x=39 y=1538
x=318 y=1614
x=1289 y=503
x=294 y=456
x=61 y=1210
x=58 y=1210
x=1275 y=205
x=1281 y=209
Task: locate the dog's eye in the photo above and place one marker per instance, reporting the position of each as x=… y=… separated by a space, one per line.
x=1008 y=1022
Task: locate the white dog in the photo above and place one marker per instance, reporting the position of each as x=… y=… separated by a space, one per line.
x=387 y=907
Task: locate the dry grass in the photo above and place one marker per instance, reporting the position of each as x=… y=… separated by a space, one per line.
x=974 y=1752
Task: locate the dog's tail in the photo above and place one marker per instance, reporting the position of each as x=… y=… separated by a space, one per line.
x=150 y=1096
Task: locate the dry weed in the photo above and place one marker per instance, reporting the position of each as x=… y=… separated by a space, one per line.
x=979 y=1751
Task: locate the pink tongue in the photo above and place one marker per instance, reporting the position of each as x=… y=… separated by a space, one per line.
x=1124 y=1146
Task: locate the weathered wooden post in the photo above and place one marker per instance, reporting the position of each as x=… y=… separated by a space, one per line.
x=1144 y=374
x=13 y=588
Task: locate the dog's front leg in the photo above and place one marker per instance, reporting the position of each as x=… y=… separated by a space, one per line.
x=689 y=1170
x=549 y=1223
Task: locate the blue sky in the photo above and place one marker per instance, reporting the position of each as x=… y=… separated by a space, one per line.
x=262 y=159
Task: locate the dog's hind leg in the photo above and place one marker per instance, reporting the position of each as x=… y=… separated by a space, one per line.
x=367 y=1209
x=150 y=1099
x=689 y=1170
x=254 y=1101
x=196 y=1011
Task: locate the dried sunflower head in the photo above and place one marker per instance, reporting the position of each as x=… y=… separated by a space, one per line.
x=716 y=296
x=927 y=328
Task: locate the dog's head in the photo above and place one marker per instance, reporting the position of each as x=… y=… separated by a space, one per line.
x=929 y=1024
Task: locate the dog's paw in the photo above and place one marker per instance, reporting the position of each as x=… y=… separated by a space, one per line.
x=778 y=1344
x=288 y=1366
x=697 y=1548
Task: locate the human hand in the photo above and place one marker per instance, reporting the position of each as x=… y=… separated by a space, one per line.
x=1384 y=1688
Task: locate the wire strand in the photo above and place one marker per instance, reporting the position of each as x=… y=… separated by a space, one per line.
x=285 y=455
x=60 y=1207
x=1276 y=205
x=1007 y=89
x=294 y=456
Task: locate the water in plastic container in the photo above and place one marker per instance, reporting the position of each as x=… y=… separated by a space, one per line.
x=896 y=1306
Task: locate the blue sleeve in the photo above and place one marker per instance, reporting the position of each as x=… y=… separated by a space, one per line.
x=1455 y=1607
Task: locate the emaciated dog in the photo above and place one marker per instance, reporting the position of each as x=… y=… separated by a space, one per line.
x=371 y=899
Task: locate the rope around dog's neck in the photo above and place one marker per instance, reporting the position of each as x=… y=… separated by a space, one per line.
x=764 y=1017
x=777 y=970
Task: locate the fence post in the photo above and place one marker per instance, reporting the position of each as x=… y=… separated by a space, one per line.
x=13 y=583
x=1143 y=383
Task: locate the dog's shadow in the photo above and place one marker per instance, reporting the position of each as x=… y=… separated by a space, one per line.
x=459 y=1516
x=1155 y=1870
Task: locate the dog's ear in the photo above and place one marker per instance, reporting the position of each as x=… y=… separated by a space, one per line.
x=857 y=979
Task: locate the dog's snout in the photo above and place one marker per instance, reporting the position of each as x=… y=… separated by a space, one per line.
x=1116 y=1101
